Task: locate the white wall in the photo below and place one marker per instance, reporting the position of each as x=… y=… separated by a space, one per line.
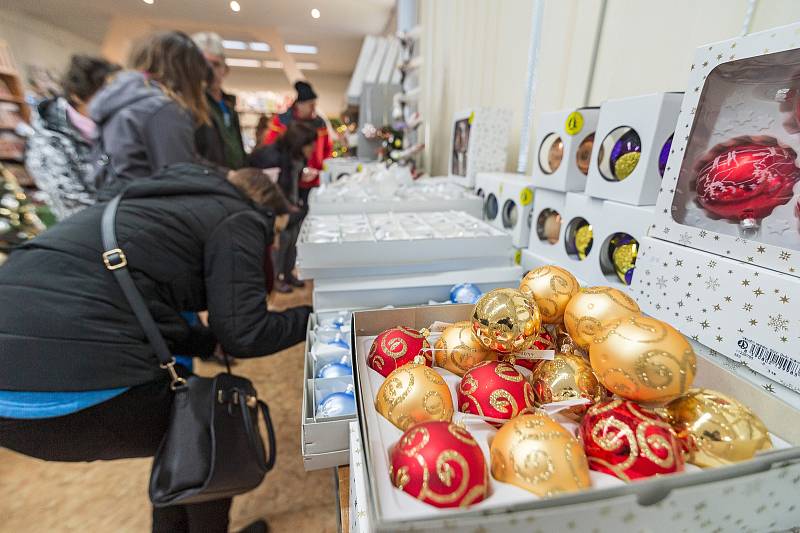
x=476 y=54
x=34 y=42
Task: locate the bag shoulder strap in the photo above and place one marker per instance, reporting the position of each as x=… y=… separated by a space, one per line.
x=115 y=261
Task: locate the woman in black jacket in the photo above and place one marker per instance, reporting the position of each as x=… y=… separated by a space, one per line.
x=289 y=155
x=78 y=379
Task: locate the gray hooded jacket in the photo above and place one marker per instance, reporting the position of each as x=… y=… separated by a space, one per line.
x=141 y=131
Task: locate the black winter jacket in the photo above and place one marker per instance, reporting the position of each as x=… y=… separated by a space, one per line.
x=192 y=241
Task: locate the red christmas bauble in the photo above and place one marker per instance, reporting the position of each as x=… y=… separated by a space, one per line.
x=441 y=464
x=495 y=389
x=628 y=441
x=396 y=347
x=747 y=181
x=544 y=341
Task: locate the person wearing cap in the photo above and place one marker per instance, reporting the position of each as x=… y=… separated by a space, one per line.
x=219 y=141
x=304 y=109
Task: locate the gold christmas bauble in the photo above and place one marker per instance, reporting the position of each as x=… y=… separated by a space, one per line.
x=414 y=393
x=458 y=349
x=505 y=321
x=551 y=287
x=591 y=307
x=567 y=376
x=643 y=359
x=536 y=453
x=716 y=429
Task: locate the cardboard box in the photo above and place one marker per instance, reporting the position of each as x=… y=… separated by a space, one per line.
x=379 y=291
x=738 y=309
x=479 y=143
x=547 y=222
x=565 y=168
x=514 y=197
x=757 y=495
x=647 y=121
x=325 y=442
x=579 y=209
x=737 y=87
x=470 y=204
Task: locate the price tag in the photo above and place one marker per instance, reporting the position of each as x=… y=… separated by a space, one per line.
x=359 y=167
x=574 y=123
x=471 y=118
x=518 y=257
x=525 y=196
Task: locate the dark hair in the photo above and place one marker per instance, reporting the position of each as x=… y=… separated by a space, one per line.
x=173 y=59
x=254 y=183
x=296 y=136
x=85 y=75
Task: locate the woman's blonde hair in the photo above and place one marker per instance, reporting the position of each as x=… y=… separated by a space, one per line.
x=173 y=60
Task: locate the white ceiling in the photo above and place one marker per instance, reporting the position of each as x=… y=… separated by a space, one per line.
x=337 y=33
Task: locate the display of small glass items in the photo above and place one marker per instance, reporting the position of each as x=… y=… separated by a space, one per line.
x=740 y=167
x=393 y=227
x=18 y=219
x=334 y=394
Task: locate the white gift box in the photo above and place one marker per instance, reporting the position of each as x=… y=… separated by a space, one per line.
x=508 y=203
x=571 y=129
x=652 y=117
x=756 y=495
x=618 y=218
x=335 y=168
x=479 y=143
x=359 y=504
x=579 y=209
x=547 y=223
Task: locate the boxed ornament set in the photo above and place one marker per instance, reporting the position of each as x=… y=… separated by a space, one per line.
x=564 y=154
x=507 y=203
x=550 y=403
x=479 y=143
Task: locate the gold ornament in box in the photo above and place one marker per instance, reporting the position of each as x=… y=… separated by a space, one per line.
x=536 y=453
x=458 y=349
x=643 y=359
x=414 y=393
x=567 y=376
x=716 y=429
x=591 y=307
x=506 y=321
x=551 y=288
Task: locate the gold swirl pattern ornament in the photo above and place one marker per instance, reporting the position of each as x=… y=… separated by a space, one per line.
x=396 y=347
x=628 y=441
x=591 y=307
x=458 y=349
x=505 y=321
x=412 y=394
x=536 y=453
x=567 y=376
x=715 y=429
x=643 y=359
x=551 y=288
x=495 y=389
x=440 y=464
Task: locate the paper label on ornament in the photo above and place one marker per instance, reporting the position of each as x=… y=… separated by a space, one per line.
x=545 y=355
x=769 y=362
x=439 y=326
x=555 y=407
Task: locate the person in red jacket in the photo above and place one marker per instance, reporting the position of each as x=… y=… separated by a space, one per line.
x=304 y=109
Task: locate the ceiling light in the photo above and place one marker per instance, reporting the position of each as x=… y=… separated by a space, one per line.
x=239 y=62
x=315 y=13
x=235 y=7
x=307 y=66
x=234 y=45
x=258 y=46
x=300 y=48
x=271 y=63
x=148 y=2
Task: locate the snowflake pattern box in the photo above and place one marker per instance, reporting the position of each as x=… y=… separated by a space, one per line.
x=731 y=182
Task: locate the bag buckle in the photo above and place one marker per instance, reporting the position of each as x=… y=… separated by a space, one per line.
x=250 y=400
x=115 y=259
x=177 y=381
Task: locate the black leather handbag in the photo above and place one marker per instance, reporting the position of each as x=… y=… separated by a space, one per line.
x=213 y=448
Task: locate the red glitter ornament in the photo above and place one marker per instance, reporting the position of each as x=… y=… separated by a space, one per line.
x=441 y=464
x=396 y=347
x=495 y=389
x=747 y=181
x=544 y=341
x=628 y=441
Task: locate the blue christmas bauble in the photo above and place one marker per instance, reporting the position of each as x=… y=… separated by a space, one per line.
x=334 y=370
x=337 y=404
x=465 y=293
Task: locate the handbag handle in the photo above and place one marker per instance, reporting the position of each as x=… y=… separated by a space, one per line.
x=266 y=463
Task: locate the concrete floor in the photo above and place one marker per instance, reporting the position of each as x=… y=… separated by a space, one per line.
x=36 y=496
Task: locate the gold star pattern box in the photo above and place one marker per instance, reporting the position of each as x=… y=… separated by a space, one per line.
x=722 y=261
